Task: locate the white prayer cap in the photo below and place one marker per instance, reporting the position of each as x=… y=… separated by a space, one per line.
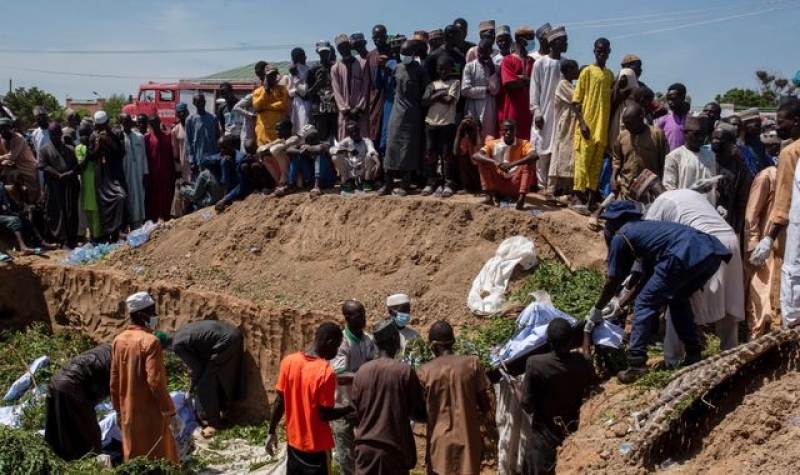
x=100 y=117
x=397 y=299
x=139 y=300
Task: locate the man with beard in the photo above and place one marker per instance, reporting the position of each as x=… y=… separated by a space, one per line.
x=62 y=187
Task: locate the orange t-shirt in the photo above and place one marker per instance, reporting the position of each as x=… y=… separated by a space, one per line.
x=500 y=152
x=307 y=383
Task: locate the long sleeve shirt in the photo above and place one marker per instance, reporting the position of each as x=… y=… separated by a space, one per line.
x=202 y=133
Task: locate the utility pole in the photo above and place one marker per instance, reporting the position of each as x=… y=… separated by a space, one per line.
x=10 y=82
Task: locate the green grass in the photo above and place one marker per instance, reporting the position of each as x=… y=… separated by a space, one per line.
x=572 y=293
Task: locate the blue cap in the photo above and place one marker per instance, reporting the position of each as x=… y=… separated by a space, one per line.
x=621 y=208
x=181 y=107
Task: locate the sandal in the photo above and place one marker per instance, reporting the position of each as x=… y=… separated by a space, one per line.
x=315 y=192
x=447 y=192
x=580 y=209
x=427 y=191
x=399 y=192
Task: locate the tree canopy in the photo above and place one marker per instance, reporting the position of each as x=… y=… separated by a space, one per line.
x=21 y=101
x=767 y=96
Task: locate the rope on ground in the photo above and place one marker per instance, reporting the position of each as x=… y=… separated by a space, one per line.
x=694 y=382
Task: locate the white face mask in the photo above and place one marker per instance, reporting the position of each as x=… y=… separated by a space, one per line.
x=406 y=59
x=153 y=323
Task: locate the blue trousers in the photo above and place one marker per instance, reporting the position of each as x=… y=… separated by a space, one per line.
x=671 y=284
x=319 y=168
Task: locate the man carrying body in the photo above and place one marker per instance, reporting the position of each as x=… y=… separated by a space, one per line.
x=640 y=147
x=136 y=170
x=691 y=162
x=386 y=396
x=356 y=160
x=592 y=104
x=70 y=426
x=455 y=388
x=544 y=82
x=672 y=124
x=554 y=387
x=202 y=134
x=306 y=390
x=213 y=352
x=781 y=217
x=678 y=259
x=497 y=160
x=145 y=413
x=356 y=349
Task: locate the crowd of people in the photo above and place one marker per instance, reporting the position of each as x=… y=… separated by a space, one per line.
x=689 y=202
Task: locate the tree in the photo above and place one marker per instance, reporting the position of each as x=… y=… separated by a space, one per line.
x=21 y=101
x=113 y=107
x=768 y=96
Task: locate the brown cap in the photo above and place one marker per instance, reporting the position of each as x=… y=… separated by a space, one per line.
x=628 y=59
x=695 y=123
x=486 y=25
x=421 y=35
x=525 y=32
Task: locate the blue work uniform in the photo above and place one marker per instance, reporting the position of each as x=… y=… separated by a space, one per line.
x=677 y=260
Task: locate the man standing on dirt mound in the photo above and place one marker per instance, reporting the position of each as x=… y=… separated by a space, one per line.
x=306 y=391
x=145 y=413
x=678 y=259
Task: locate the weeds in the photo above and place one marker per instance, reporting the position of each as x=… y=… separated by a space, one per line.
x=572 y=293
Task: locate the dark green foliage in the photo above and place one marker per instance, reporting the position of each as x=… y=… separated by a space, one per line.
x=572 y=293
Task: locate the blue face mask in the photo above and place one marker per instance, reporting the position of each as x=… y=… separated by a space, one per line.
x=401 y=319
x=406 y=59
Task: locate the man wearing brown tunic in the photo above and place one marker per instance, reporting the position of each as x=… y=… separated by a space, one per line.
x=59 y=164
x=640 y=147
x=455 y=387
x=386 y=395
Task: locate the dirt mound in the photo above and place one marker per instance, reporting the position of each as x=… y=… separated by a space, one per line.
x=307 y=253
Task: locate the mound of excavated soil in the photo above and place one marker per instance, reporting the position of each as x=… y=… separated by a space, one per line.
x=313 y=254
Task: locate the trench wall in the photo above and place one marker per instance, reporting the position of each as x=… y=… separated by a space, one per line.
x=93 y=301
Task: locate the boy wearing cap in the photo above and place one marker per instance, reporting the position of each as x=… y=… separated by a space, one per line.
x=386 y=395
x=145 y=413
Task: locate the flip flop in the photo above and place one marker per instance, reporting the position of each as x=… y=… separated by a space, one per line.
x=581 y=210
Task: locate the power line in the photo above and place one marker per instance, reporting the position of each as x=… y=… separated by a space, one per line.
x=88 y=75
x=225 y=49
x=704 y=22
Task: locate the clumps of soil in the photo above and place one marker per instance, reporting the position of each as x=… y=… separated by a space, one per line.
x=313 y=254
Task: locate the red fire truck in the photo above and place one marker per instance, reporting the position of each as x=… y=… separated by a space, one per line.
x=161 y=98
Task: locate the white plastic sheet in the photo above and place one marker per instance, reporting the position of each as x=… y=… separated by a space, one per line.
x=20 y=386
x=607 y=334
x=531 y=330
x=487 y=294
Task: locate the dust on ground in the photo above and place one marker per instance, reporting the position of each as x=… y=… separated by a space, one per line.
x=305 y=253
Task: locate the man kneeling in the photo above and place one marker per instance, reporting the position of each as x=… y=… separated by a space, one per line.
x=507 y=166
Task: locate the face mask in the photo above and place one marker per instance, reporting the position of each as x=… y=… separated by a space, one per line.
x=401 y=319
x=406 y=59
x=153 y=323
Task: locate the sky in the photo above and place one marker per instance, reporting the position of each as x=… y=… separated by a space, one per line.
x=710 y=45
